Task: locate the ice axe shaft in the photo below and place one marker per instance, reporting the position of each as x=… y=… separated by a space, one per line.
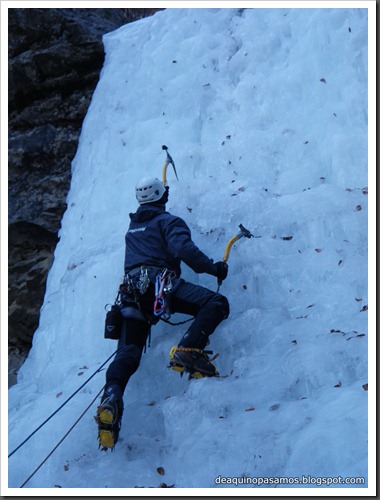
x=168 y=161
x=243 y=232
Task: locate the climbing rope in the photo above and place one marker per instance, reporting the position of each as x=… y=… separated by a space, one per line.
x=179 y=322
x=62 y=405
x=61 y=440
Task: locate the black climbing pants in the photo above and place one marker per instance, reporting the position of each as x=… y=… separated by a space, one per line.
x=207 y=307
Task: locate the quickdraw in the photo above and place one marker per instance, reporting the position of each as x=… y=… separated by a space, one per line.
x=143 y=282
x=163 y=287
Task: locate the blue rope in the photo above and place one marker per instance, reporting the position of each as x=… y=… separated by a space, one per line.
x=62 y=405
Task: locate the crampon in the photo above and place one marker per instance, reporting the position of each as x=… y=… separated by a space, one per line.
x=195 y=362
x=108 y=418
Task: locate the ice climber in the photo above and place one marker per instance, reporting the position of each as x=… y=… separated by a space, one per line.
x=155 y=245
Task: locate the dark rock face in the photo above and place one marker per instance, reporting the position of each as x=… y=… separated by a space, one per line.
x=55 y=57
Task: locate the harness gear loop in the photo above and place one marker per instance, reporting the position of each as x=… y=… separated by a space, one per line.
x=128 y=289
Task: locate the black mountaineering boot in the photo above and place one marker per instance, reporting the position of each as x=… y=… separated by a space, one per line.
x=193 y=361
x=108 y=417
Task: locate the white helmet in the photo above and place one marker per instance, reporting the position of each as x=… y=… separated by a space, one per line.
x=149 y=190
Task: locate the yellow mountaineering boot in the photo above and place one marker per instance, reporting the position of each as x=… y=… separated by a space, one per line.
x=193 y=361
x=108 y=417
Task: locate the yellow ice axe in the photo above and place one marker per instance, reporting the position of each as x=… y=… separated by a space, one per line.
x=243 y=232
x=168 y=161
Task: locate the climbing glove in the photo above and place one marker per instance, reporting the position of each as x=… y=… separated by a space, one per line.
x=221 y=270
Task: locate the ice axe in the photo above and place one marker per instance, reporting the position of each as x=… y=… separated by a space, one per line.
x=168 y=161
x=242 y=233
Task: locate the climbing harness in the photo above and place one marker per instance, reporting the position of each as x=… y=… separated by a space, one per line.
x=127 y=302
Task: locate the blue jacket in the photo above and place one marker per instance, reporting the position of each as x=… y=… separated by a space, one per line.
x=158 y=239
